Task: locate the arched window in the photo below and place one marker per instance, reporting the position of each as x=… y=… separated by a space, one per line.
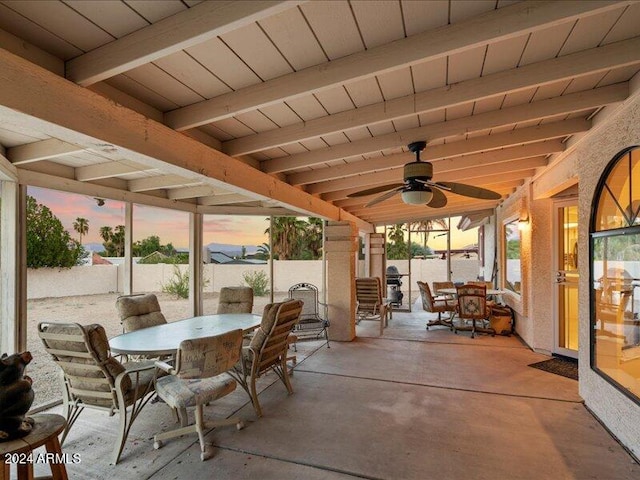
x=615 y=273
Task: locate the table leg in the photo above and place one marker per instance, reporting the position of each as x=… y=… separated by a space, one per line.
x=58 y=470
x=5 y=471
x=25 y=471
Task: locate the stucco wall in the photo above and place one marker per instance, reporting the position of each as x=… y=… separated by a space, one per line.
x=514 y=207
x=619 y=413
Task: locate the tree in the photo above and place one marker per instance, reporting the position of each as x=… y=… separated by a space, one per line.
x=48 y=243
x=113 y=240
x=286 y=235
x=313 y=239
x=426 y=226
x=81 y=225
x=396 y=246
x=263 y=252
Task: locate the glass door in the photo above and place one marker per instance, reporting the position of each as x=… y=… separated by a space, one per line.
x=566 y=281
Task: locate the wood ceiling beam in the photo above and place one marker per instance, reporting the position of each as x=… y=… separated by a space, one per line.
x=439 y=165
x=396 y=175
x=497 y=25
x=503 y=176
x=41 y=150
x=224 y=199
x=106 y=170
x=8 y=171
x=574 y=102
x=190 y=27
x=39 y=179
x=193 y=192
x=160 y=181
x=590 y=61
x=240 y=210
x=60 y=109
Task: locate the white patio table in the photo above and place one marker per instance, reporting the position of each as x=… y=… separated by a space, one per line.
x=165 y=339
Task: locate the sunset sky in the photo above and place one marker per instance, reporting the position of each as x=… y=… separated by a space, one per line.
x=173 y=226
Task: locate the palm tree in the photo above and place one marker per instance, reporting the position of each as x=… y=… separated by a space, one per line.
x=81 y=225
x=287 y=232
x=106 y=233
x=426 y=226
x=263 y=252
x=313 y=237
x=118 y=240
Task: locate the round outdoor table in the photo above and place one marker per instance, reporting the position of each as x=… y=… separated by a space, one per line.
x=45 y=432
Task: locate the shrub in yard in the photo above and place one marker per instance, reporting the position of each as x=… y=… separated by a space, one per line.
x=258 y=281
x=178 y=285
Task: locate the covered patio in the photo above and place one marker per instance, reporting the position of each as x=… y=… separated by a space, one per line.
x=295 y=108
x=412 y=404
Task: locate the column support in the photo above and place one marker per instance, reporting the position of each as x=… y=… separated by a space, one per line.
x=341 y=245
x=195 y=263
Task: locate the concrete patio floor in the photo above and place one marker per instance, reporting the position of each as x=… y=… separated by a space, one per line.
x=413 y=404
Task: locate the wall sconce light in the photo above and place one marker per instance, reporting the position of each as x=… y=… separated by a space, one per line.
x=523 y=223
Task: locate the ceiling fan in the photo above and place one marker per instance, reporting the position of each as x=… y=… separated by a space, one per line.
x=418 y=189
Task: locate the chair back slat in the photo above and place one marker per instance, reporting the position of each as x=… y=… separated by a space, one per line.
x=368 y=294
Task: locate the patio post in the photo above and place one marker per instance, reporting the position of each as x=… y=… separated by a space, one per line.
x=13 y=268
x=377 y=259
x=341 y=245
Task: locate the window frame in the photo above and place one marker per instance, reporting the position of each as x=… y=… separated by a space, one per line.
x=593 y=235
x=511 y=219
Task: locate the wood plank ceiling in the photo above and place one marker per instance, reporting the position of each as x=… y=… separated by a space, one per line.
x=325 y=95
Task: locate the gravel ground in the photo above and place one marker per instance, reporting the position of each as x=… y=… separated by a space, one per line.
x=89 y=309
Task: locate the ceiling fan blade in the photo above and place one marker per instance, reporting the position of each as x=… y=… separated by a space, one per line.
x=385 y=196
x=439 y=199
x=469 y=190
x=371 y=191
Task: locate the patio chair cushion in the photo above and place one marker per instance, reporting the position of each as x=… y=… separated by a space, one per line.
x=139 y=311
x=181 y=393
x=269 y=316
x=98 y=346
x=235 y=300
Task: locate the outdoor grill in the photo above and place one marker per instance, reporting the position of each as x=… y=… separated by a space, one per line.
x=394 y=282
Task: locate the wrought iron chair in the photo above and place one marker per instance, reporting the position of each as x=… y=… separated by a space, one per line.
x=370 y=303
x=198 y=378
x=437 y=305
x=472 y=305
x=268 y=349
x=311 y=324
x=95 y=379
x=235 y=300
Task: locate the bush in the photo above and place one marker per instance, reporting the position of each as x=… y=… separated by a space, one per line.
x=258 y=281
x=178 y=285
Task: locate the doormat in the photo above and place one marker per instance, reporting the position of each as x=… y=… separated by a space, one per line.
x=566 y=367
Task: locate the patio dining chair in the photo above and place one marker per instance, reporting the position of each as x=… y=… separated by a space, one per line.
x=268 y=349
x=139 y=311
x=235 y=300
x=472 y=305
x=437 y=305
x=198 y=378
x=92 y=378
x=370 y=305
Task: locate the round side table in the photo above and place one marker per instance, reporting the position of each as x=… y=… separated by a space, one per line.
x=45 y=432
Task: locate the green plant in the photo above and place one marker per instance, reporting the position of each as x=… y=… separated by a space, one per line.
x=178 y=285
x=258 y=281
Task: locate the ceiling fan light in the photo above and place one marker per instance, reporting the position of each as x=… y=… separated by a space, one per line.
x=417 y=197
